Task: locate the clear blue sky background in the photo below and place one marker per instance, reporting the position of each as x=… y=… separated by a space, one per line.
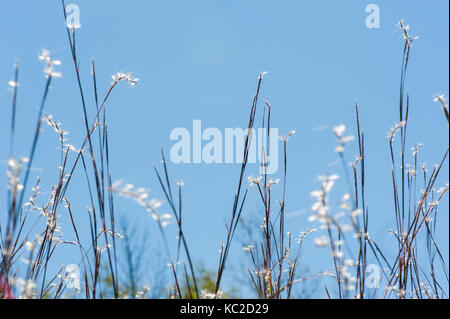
x=200 y=60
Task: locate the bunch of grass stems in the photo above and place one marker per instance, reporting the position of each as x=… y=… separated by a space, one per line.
x=274 y=261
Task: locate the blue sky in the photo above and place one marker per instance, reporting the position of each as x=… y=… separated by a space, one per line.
x=200 y=60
